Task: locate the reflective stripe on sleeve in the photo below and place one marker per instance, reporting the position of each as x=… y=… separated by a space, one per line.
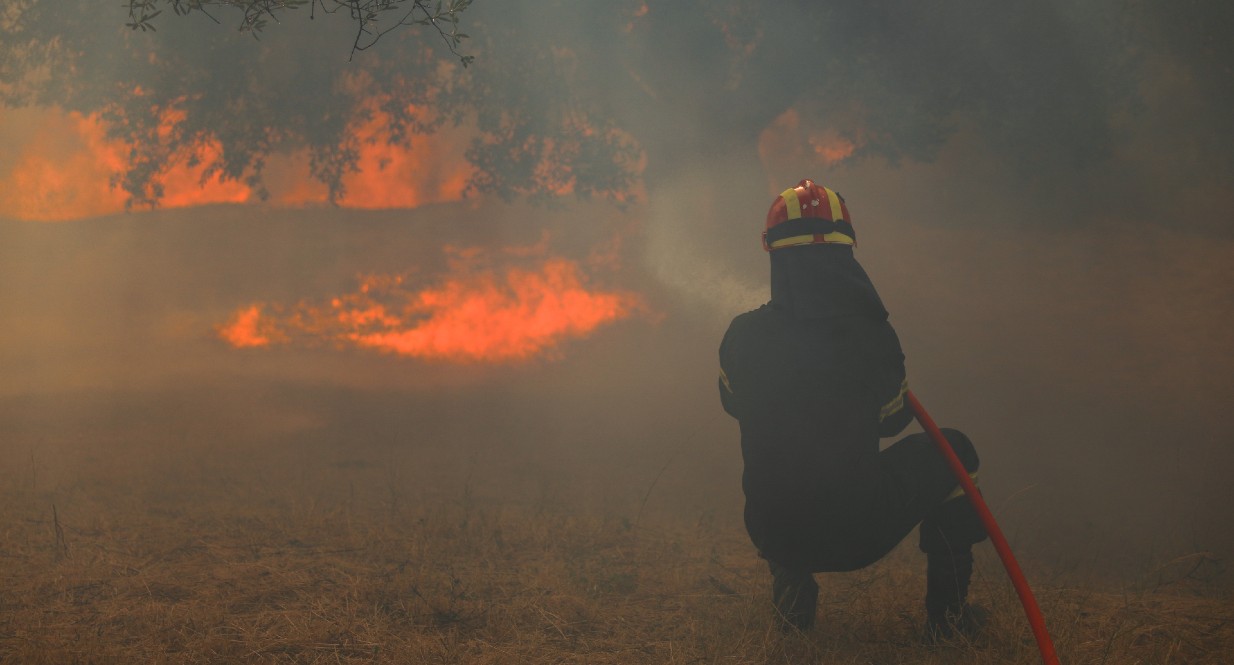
x=724 y=380
x=959 y=490
x=895 y=404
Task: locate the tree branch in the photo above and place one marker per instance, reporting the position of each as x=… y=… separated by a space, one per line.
x=365 y=14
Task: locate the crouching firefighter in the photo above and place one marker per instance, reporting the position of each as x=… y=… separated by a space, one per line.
x=815 y=378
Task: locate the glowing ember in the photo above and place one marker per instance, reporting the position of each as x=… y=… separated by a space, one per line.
x=471 y=315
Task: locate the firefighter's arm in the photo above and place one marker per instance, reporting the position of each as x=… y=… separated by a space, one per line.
x=894 y=413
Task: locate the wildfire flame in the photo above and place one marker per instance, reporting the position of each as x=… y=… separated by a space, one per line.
x=63 y=163
x=389 y=175
x=246 y=329
x=473 y=313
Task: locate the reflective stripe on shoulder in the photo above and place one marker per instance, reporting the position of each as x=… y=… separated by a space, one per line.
x=895 y=404
x=724 y=380
x=959 y=490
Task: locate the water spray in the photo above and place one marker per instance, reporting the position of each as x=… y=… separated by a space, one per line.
x=1035 y=620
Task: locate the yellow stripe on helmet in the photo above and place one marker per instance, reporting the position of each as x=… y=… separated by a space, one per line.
x=837 y=213
x=835 y=237
x=791 y=204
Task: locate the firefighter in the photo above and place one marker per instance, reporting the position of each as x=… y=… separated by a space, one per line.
x=815 y=378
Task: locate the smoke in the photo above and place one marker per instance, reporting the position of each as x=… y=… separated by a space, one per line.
x=679 y=232
x=1039 y=195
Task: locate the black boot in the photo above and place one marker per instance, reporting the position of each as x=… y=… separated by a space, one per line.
x=948 y=614
x=795 y=594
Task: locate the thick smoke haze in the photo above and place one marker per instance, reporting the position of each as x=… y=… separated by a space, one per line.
x=1088 y=372
x=1040 y=195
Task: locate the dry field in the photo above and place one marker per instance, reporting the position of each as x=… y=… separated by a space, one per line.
x=145 y=557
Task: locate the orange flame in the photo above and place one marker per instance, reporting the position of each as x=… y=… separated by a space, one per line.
x=59 y=167
x=429 y=170
x=246 y=328
x=63 y=164
x=472 y=314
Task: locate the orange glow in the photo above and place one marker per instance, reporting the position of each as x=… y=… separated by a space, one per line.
x=430 y=170
x=785 y=140
x=246 y=328
x=473 y=314
x=59 y=166
x=183 y=186
x=832 y=147
x=639 y=13
x=62 y=165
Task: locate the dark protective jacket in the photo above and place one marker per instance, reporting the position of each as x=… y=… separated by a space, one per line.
x=815 y=378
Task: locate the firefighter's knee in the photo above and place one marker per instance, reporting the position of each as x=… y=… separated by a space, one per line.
x=952 y=527
x=963 y=448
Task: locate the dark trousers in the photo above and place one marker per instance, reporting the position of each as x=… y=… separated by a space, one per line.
x=911 y=486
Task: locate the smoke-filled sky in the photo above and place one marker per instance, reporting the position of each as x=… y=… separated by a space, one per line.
x=557 y=235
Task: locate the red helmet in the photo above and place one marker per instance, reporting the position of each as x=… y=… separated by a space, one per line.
x=808 y=214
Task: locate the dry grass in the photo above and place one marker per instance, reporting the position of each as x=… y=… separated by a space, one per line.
x=291 y=560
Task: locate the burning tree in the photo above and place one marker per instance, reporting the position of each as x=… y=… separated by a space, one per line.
x=593 y=97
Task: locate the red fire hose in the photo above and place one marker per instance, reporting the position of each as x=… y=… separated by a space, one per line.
x=996 y=535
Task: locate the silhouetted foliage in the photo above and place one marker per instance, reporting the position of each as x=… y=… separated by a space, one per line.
x=372 y=18
x=592 y=95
